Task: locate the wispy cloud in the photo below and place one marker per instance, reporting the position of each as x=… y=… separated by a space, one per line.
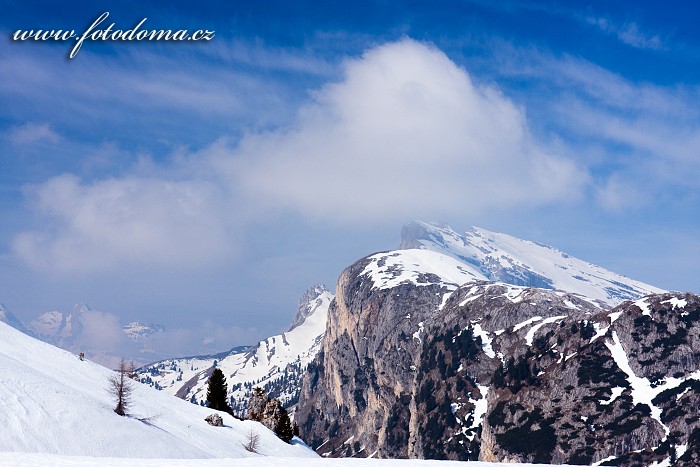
x=32 y=133
x=628 y=32
x=623 y=131
x=235 y=84
x=94 y=226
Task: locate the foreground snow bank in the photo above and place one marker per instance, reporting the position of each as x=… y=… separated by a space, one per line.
x=52 y=402
x=22 y=460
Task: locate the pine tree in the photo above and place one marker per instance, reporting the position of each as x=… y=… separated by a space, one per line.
x=283 y=425
x=217 y=392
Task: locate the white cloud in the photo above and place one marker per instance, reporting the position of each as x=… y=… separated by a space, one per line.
x=406 y=133
x=95 y=226
x=101 y=331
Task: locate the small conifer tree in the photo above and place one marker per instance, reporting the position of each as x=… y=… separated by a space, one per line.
x=217 y=392
x=283 y=426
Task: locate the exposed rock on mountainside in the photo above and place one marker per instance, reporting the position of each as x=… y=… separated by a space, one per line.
x=414 y=365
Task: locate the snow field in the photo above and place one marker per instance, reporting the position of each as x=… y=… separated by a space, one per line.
x=53 y=403
x=49 y=460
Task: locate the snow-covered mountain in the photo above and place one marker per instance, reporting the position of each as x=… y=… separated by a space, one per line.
x=8 y=318
x=84 y=330
x=503 y=258
x=276 y=363
x=417 y=362
x=139 y=332
x=61 y=329
x=428 y=253
x=56 y=327
x=52 y=402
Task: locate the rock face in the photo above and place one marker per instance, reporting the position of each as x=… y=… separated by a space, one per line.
x=414 y=366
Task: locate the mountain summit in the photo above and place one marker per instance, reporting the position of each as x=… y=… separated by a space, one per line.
x=431 y=256
x=504 y=258
x=423 y=358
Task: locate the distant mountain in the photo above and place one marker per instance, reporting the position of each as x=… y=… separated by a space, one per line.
x=417 y=363
x=503 y=258
x=139 y=332
x=52 y=402
x=8 y=318
x=82 y=330
x=59 y=328
x=276 y=363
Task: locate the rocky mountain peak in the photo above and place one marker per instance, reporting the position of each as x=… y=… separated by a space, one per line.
x=308 y=303
x=414 y=365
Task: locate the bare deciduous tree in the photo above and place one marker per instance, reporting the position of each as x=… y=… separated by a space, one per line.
x=121 y=387
x=253 y=441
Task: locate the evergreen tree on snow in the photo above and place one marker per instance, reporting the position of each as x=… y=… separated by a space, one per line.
x=217 y=392
x=283 y=425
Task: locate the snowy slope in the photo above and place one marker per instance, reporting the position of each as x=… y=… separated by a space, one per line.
x=275 y=363
x=32 y=460
x=503 y=258
x=51 y=402
x=418 y=267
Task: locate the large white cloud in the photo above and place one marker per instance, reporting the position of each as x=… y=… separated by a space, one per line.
x=406 y=133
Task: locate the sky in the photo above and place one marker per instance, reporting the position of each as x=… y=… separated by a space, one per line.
x=205 y=185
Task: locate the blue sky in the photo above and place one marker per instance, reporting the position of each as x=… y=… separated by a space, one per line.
x=198 y=183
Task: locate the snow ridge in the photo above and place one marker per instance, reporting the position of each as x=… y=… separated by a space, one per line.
x=275 y=363
x=503 y=258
